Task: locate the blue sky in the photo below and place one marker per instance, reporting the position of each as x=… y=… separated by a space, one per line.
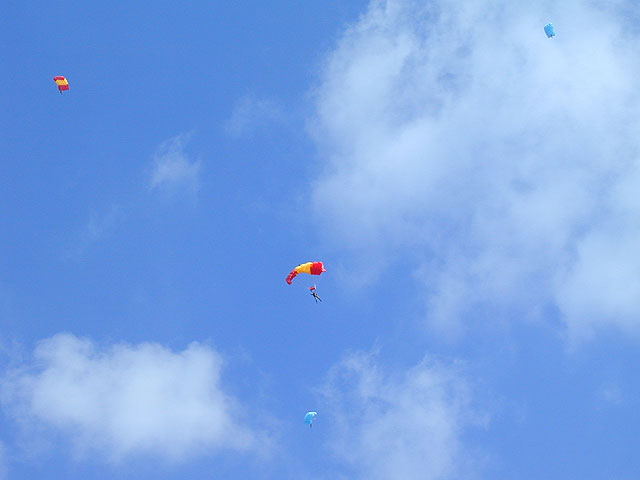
x=470 y=185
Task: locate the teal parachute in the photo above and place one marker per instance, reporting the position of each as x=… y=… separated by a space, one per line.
x=308 y=418
x=549 y=30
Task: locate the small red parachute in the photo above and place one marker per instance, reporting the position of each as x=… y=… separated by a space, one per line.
x=62 y=83
x=312 y=268
x=314 y=293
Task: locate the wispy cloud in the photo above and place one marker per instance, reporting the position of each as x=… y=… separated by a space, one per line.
x=172 y=168
x=505 y=164
x=251 y=113
x=611 y=394
x=127 y=399
x=407 y=425
x=99 y=226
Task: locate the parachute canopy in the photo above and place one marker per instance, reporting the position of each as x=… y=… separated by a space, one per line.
x=62 y=83
x=308 y=418
x=549 y=30
x=312 y=268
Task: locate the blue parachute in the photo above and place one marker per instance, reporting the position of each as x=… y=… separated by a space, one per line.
x=308 y=418
x=548 y=29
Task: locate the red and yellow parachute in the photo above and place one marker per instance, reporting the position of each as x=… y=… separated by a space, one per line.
x=312 y=268
x=62 y=83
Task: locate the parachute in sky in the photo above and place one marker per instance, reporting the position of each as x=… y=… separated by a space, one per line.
x=549 y=30
x=308 y=418
x=312 y=268
x=62 y=83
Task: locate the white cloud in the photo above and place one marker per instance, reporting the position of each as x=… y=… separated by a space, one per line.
x=505 y=164
x=409 y=425
x=127 y=399
x=172 y=168
x=251 y=113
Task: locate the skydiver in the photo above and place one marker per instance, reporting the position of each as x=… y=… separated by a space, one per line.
x=314 y=294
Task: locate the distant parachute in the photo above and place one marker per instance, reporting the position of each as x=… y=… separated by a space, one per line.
x=308 y=418
x=549 y=30
x=62 y=83
x=312 y=268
